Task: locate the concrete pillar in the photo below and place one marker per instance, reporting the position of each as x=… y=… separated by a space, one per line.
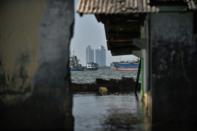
x=34 y=58
x=174 y=70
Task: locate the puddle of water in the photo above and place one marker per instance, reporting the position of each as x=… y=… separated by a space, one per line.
x=107 y=113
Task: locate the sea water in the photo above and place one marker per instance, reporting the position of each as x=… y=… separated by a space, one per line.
x=88 y=76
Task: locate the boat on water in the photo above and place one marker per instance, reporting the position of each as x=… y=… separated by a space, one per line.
x=74 y=64
x=92 y=66
x=124 y=66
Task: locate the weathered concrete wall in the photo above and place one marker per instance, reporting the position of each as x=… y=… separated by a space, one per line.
x=19 y=26
x=34 y=53
x=174 y=70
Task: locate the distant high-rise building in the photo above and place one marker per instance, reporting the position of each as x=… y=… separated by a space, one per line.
x=89 y=54
x=100 y=56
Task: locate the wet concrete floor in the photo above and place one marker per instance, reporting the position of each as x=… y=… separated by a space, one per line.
x=108 y=113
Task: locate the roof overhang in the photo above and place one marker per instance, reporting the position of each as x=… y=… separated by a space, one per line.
x=122 y=19
x=190 y=3
x=107 y=7
x=115 y=7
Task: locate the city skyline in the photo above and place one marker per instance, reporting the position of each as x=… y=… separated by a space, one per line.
x=89 y=54
x=107 y=62
x=88 y=31
x=100 y=56
x=96 y=55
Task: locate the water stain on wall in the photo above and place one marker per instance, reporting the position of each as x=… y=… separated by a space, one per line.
x=19 y=43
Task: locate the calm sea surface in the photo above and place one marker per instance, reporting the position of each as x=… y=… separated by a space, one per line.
x=106 y=73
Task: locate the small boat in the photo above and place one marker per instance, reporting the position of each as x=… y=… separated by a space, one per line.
x=92 y=66
x=124 y=66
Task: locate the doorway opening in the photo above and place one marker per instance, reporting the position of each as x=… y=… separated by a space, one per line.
x=103 y=85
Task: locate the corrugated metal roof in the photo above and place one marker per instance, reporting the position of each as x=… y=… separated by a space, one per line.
x=192 y=4
x=122 y=6
x=163 y=1
x=115 y=6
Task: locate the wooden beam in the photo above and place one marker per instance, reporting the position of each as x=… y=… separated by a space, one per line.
x=124 y=18
x=122 y=46
x=119 y=44
x=124 y=26
x=125 y=38
x=168 y=2
x=121 y=41
x=121 y=52
x=133 y=27
x=122 y=35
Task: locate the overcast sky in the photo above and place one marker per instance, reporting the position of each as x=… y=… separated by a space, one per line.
x=87 y=31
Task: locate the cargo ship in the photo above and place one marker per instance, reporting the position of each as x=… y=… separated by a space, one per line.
x=124 y=66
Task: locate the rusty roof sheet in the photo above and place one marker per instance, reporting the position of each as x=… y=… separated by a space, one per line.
x=122 y=6
x=192 y=4
x=167 y=1
x=115 y=6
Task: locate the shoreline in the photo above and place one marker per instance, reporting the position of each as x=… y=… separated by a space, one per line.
x=124 y=85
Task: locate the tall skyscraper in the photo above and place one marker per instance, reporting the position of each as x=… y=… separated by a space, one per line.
x=100 y=56
x=89 y=54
